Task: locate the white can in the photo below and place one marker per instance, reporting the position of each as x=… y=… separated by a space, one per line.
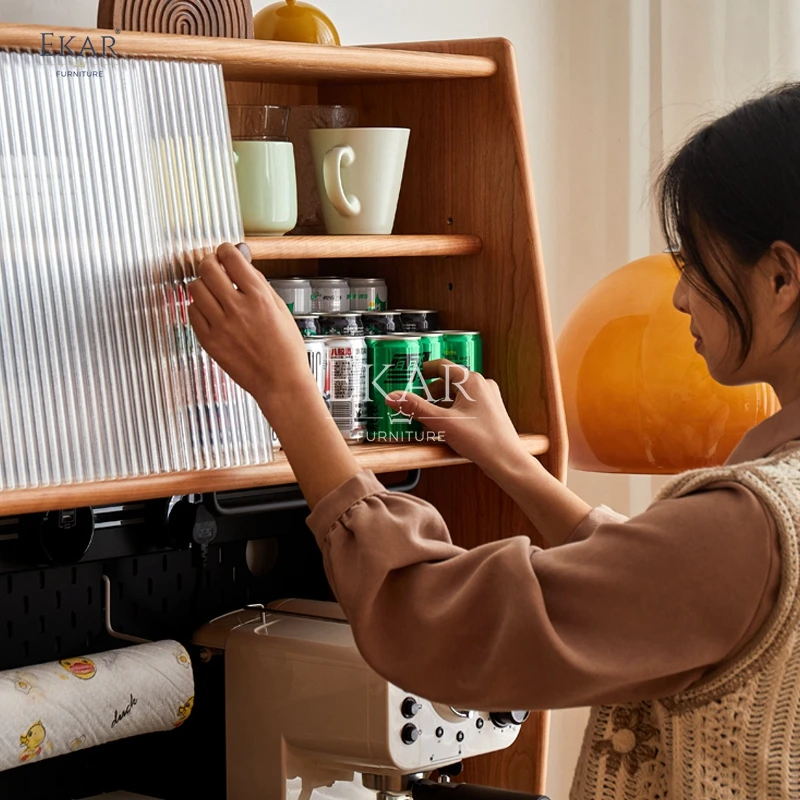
x=317 y=352
x=368 y=294
x=330 y=294
x=296 y=293
x=347 y=382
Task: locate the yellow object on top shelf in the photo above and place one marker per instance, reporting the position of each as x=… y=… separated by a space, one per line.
x=292 y=21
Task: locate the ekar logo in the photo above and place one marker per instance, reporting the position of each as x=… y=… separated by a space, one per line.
x=65 y=47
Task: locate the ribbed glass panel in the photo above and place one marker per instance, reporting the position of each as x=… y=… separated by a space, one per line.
x=113 y=189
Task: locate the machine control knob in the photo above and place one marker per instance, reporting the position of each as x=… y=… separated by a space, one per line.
x=409 y=734
x=505 y=718
x=410 y=707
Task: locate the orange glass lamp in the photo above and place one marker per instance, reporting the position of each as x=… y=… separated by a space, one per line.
x=637 y=395
x=293 y=21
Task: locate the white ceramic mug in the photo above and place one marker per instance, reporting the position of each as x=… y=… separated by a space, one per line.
x=265 y=177
x=359 y=172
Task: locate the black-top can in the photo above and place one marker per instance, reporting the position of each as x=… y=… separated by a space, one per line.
x=341 y=323
x=414 y=319
x=381 y=322
x=308 y=324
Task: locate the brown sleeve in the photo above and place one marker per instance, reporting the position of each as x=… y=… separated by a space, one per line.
x=592 y=521
x=638 y=609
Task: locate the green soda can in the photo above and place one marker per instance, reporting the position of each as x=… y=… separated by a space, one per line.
x=432 y=345
x=465 y=348
x=394 y=365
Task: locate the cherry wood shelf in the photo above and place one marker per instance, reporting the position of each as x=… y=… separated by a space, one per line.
x=255 y=60
x=274 y=247
x=377 y=457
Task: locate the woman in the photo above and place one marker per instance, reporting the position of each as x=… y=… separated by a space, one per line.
x=678 y=625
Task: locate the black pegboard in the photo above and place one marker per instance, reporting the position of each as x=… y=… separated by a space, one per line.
x=157 y=591
x=49 y=614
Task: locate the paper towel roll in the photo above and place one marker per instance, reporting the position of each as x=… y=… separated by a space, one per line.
x=59 y=707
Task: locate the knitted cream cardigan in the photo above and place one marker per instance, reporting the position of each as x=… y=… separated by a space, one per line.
x=736 y=732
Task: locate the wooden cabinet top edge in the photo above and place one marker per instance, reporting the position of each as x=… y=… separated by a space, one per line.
x=251 y=59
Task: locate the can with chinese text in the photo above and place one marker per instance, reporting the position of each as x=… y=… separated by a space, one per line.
x=368 y=294
x=394 y=365
x=329 y=294
x=347 y=384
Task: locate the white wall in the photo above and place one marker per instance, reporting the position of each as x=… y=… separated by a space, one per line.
x=531 y=26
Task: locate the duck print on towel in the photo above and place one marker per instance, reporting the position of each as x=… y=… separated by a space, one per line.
x=21 y=685
x=184 y=711
x=83 y=668
x=76 y=744
x=32 y=741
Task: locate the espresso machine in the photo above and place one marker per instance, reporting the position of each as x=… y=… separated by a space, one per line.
x=306 y=718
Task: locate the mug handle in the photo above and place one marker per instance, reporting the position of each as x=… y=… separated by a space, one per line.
x=335 y=158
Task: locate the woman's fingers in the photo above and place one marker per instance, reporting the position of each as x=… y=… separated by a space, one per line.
x=206 y=301
x=246 y=277
x=217 y=281
x=439 y=390
x=199 y=323
x=436 y=368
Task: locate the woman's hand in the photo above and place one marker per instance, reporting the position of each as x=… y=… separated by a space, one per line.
x=474 y=422
x=247 y=328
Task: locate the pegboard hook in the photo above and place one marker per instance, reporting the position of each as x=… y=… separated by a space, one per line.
x=109 y=630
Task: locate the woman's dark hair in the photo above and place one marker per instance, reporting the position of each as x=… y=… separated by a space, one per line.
x=735 y=187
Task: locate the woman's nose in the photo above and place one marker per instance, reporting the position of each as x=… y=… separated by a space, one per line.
x=680 y=296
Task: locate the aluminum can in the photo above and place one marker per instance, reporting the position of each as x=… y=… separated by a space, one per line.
x=317 y=352
x=368 y=294
x=329 y=294
x=377 y=323
x=431 y=346
x=465 y=348
x=347 y=383
x=296 y=293
x=418 y=320
x=341 y=323
x=394 y=365
x=308 y=324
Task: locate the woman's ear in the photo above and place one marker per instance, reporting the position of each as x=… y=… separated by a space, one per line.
x=782 y=268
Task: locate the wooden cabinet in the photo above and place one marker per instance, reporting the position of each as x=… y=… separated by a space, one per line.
x=465 y=242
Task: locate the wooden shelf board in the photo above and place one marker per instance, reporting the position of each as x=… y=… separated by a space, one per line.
x=273 y=247
x=255 y=60
x=377 y=457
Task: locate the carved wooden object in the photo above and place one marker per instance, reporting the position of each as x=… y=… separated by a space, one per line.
x=226 y=18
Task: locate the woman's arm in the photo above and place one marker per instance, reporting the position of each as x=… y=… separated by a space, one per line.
x=248 y=329
x=555 y=511
x=639 y=610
